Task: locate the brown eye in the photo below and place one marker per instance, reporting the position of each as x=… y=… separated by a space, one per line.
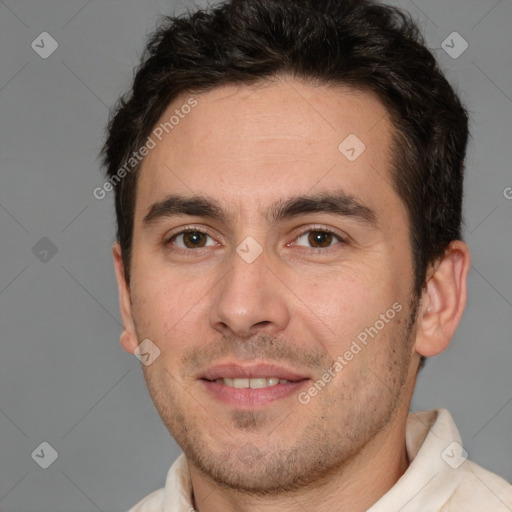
x=194 y=239
x=318 y=239
x=190 y=240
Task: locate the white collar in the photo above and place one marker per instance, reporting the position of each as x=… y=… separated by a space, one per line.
x=437 y=475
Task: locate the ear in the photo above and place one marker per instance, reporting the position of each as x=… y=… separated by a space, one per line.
x=443 y=300
x=128 y=337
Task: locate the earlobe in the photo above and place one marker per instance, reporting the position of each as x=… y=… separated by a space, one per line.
x=128 y=338
x=443 y=300
x=127 y=341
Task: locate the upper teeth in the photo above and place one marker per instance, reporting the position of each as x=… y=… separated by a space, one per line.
x=254 y=383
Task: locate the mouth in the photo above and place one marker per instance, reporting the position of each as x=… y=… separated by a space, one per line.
x=253 y=383
x=250 y=387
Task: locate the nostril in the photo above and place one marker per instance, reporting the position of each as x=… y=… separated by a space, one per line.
x=262 y=324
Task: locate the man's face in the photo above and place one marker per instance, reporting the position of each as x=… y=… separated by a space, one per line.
x=268 y=286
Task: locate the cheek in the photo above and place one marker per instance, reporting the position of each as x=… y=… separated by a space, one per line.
x=164 y=303
x=343 y=304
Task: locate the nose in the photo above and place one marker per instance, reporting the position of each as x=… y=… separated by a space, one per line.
x=250 y=299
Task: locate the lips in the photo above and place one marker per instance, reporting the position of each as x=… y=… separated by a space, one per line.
x=252 y=386
x=253 y=383
x=259 y=371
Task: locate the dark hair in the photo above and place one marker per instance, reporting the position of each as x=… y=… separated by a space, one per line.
x=357 y=43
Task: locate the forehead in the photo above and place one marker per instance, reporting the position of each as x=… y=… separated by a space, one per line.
x=248 y=146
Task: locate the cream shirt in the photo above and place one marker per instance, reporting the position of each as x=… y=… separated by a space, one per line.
x=439 y=478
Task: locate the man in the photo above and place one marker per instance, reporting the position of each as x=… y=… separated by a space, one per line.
x=288 y=185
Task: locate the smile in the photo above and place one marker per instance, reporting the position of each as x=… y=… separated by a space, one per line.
x=253 y=383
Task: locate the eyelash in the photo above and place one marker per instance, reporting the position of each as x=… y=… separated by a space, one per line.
x=192 y=229
x=320 y=229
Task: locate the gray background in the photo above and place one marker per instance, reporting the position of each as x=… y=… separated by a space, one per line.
x=64 y=378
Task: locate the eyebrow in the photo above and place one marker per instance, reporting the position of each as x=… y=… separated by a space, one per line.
x=176 y=205
x=338 y=203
